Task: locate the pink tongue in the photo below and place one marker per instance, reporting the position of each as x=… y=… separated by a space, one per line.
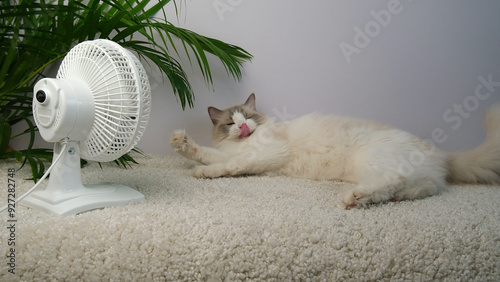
x=245 y=131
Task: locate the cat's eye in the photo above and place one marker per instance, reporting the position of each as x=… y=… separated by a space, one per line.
x=229 y=124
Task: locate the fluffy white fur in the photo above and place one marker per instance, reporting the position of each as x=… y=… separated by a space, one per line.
x=386 y=163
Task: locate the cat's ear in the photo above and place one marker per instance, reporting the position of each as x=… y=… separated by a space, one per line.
x=251 y=102
x=214 y=114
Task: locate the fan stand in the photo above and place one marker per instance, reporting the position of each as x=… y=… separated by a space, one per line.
x=66 y=195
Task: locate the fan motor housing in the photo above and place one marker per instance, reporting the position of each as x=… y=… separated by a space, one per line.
x=63 y=108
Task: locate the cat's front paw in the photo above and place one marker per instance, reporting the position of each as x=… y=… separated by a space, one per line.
x=178 y=140
x=182 y=143
x=209 y=171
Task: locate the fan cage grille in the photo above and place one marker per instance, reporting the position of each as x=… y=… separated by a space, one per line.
x=121 y=96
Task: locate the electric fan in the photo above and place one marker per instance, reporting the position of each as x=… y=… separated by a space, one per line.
x=96 y=108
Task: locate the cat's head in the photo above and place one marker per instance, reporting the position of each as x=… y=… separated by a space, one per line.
x=237 y=122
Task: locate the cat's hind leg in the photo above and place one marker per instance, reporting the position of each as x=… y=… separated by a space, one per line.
x=396 y=190
x=391 y=187
x=374 y=190
x=394 y=175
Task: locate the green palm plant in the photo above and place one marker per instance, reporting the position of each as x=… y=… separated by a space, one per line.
x=37 y=34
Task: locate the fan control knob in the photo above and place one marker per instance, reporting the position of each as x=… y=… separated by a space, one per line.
x=41 y=97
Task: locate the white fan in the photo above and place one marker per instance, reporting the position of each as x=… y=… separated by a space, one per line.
x=96 y=109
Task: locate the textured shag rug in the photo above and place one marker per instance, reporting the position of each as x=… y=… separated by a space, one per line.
x=250 y=228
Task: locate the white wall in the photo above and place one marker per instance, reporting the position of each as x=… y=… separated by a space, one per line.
x=417 y=70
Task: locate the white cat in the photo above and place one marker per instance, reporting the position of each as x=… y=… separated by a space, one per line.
x=386 y=163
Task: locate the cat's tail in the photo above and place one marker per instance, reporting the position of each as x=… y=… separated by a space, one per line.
x=482 y=164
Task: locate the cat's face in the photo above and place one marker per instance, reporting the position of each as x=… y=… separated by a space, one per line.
x=237 y=122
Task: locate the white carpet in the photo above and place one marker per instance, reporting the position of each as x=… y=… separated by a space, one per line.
x=252 y=228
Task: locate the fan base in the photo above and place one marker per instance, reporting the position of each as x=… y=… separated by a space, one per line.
x=91 y=197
